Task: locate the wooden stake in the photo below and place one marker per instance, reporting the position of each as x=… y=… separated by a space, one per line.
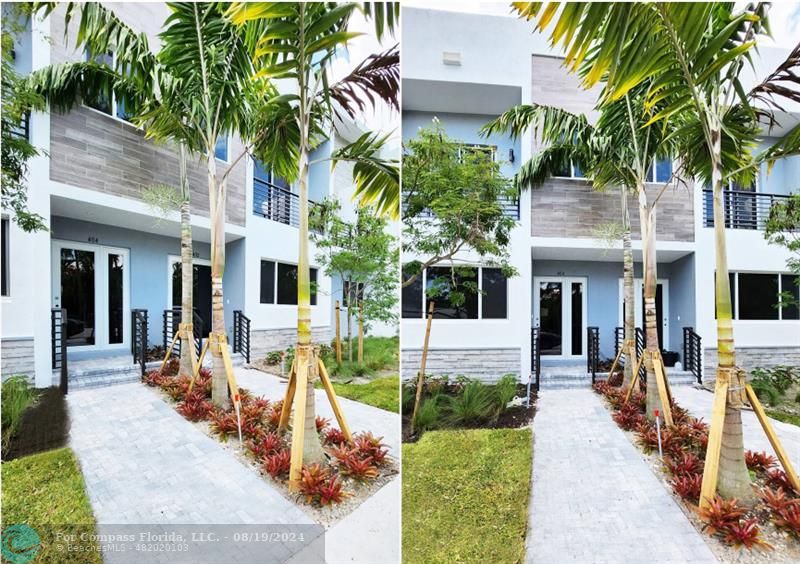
x=773 y=438
x=169 y=350
x=338 y=334
x=663 y=394
x=298 y=427
x=288 y=397
x=199 y=365
x=711 y=471
x=421 y=375
x=616 y=360
x=334 y=401
x=361 y=332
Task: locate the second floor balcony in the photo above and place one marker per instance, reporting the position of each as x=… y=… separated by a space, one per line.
x=277 y=203
x=743 y=209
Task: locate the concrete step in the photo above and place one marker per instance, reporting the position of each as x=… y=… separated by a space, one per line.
x=562 y=380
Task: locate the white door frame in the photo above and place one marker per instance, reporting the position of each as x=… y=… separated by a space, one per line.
x=638 y=283
x=566 y=311
x=101 y=252
x=172 y=259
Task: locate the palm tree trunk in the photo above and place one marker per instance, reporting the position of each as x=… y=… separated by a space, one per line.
x=629 y=320
x=219 y=381
x=733 y=480
x=349 y=331
x=312 y=447
x=187 y=268
x=647 y=217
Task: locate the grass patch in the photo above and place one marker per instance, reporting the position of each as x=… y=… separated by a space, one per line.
x=465 y=496
x=381 y=392
x=17 y=396
x=48 y=489
x=380 y=355
x=783 y=416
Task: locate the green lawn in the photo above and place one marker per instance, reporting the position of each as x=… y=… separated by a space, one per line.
x=381 y=392
x=48 y=489
x=783 y=416
x=465 y=496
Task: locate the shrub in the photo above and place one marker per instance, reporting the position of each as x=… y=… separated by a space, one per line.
x=274 y=357
x=688 y=464
x=311 y=479
x=789 y=518
x=601 y=387
x=474 y=403
x=224 y=423
x=274 y=414
x=688 y=486
x=777 y=500
x=745 y=533
x=409 y=395
x=779 y=377
x=154 y=378
x=766 y=391
x=195 y=407
x=176 y=388
x=333 y=436
x=759 y=461
x=719 y=514
x=428 y=414
x=505 y=390
x=779 y=479
x=278 y=464
x=331 y=492
x=615 y=379
x=322 y=423
x=17 y=396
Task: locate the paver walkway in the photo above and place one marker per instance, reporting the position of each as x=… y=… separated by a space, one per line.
x=594 y=497
x=698 y=402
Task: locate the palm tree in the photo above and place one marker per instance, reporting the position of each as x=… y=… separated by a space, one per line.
x=693 y=54
x=297 y=42
x=132 y=79
x=611 y=154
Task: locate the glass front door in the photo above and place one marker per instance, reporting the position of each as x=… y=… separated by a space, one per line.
x=201 y=291
x=662 y=308
x=90 y=282
x=560 y=313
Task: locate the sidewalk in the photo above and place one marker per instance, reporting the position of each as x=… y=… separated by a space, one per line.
x=594 y=497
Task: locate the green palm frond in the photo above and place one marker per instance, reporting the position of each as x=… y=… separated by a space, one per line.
x=376 y=78
x=384 y=15
x=377 y=179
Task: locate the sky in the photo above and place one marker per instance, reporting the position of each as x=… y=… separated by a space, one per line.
x=784 y=16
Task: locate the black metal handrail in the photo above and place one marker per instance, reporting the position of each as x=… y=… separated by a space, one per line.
x=593 y=354
x=536 y=356
x=509 y=205
x=640 y=341
x=241 y=334
x=743 y=210
x=276 y=203
x=58 y=333
x=171 y=320
x=139 y=323
x=692 y=353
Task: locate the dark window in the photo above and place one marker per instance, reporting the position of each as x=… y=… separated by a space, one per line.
x=287 y=284
x=789 y=285
x=661 y=170
x=412 y=297
x=4 y=257
x=495 y=294
x=758 y=296
x=267 y=282
x=116 y=271
x=446 y=282
x=732 y=285
x=221 y=148
x=577 y=318
x=101 y=102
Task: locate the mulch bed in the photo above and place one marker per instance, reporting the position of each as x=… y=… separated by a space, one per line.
x=44 y=426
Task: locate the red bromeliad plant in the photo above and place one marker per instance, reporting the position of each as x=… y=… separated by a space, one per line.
x=628 y=417
x=265 y=444
x=277 y=465
x=777 y=500
x=745 y=533
x=333 y=436
x=358 y=468
x=687 y=486
x=322 y=423
x=274 y=414
x=719 y=514
x=687 y=464
x=312 y=479
x=779 y=479
x=195 y=407
x=759 y=461
x=369 y=446
x=331 y=492
x=789 y=518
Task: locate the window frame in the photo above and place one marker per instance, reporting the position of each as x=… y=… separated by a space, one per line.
x=572 y=168
x=113 y=101
x=652 y=174
x=735 y=304
x=423 y=277
x=227 y=159
x=275 y=279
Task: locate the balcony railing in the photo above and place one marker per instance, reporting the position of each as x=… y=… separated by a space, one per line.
x=276 y=203
x=510 y=207
x=743 y=210
x=24 y=128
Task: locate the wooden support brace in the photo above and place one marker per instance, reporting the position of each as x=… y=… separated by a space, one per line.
x=663 y=394
x=616 y=360
x=169 y=351
x=197 y=367
x=338 y=335
x=334 y=401
x=298 y=428
x=773 y=438
x=288 y=398
x=711 y=471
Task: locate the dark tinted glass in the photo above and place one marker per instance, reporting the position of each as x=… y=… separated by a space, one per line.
x=758 y=296
x=115 y=304
x=412 y=297
x=495 y=294
x=789 y=285
x=267 y=282
x=443 y=279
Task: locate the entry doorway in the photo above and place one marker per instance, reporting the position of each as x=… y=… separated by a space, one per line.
x=201 y=293
x=559 y=310
x=662 y=307
x=92 y=283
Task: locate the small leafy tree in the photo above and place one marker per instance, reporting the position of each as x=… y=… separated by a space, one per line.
x=17 y=100
x=364 y=255
x=783 y=228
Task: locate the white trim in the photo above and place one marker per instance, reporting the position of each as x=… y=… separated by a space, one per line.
x=101 y=252
x=566 y=312
x=637 y=300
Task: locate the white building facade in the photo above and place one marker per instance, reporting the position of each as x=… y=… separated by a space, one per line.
x=465 y=70
x=107 y=253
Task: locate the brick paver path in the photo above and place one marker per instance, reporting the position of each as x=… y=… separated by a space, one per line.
x=144 y=464
x=698 y=402
x=594 y=497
